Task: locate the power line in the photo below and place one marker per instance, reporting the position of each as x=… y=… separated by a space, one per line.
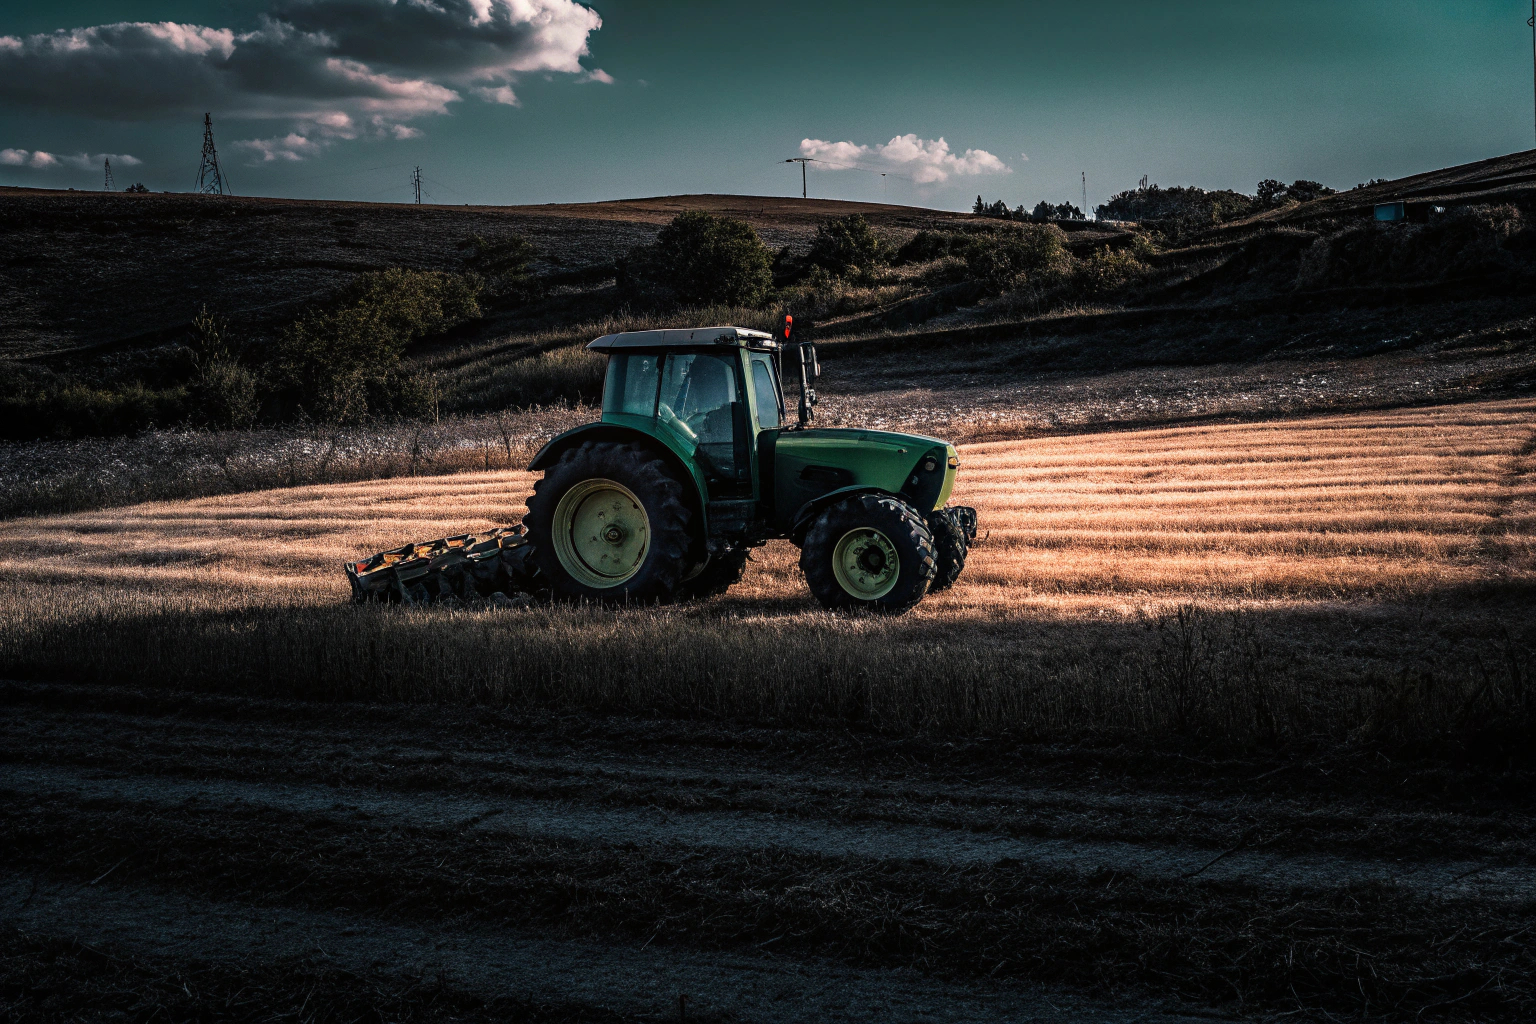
x=210 y=178
x=338 y=174
x=450 y=188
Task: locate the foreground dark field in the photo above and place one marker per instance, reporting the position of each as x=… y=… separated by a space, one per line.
x=437 y=864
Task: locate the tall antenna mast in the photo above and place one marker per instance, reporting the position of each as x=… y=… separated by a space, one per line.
x=803 y=160
x=210 y=178
x=108 y=185
x=416 y=184
x=1085 y=179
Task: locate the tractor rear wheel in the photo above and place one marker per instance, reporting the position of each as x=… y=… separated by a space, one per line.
x=869 y=551
x=608 y=523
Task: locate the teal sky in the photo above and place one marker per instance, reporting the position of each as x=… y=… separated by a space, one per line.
x=712 y=97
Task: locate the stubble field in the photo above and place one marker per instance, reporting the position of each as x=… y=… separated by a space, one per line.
x=1328 y=536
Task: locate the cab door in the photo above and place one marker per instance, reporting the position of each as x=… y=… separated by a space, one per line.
x=703 y=401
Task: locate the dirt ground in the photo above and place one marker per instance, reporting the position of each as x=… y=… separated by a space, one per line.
x=604 y=866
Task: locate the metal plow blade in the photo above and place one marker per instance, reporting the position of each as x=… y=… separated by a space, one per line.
x=469 y=568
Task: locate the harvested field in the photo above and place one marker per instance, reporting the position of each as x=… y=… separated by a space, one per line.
x=1225 y=721
x=1309 y=547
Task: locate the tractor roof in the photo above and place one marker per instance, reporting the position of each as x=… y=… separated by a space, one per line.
x=692 y=337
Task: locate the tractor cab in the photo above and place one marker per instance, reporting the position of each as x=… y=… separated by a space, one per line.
x=711 y=393
x=693 y=464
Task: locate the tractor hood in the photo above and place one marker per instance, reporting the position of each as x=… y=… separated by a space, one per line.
x=810 y=464
x=859 y=435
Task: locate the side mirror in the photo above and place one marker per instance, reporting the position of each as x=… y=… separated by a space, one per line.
x=810 y=369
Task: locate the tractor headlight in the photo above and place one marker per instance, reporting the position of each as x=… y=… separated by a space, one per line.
x=929 y=465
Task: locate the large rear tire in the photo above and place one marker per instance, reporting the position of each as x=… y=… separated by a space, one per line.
x=608 y=523
x=869 y=551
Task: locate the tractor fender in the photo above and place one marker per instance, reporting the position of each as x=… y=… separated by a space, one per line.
x=680 y=461
x=813 y=508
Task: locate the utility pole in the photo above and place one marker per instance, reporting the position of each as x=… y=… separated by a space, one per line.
x=210 y=179
x=416 y=184
x=108 y=185
x=803 y=160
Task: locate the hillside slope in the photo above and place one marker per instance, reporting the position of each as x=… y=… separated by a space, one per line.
x=85 y=268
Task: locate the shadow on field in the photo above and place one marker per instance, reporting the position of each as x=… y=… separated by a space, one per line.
x=1454 y=667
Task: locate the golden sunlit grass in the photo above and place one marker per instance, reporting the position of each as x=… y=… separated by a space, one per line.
x=1357 y=554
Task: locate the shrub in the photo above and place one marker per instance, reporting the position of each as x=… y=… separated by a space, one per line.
x=1472 y=240
x=1038 y=252
x=222 y=392
x=846 y=246
x=505 y=263
x=1105 y=270
x=699 y=260
x=1186 y=207
x=76 y=410
x=341 y=362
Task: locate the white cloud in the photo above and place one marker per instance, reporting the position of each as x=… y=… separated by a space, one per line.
x=502 y=94
x=331 y=69
x=292 y=147
x=44 y=161
x=597 y=75
x=926 y=161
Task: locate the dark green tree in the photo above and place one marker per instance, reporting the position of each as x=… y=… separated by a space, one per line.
x=699 y=260
x=846 y=245
x=1269 y=193
x=1302 y=190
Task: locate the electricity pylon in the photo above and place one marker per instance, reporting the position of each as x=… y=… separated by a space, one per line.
x=416 y=184
x=108 y=185
x=210 y=179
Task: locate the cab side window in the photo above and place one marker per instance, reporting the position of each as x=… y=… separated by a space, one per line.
x=765 y=389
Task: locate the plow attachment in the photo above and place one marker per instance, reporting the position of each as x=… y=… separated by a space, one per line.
x=469 y=568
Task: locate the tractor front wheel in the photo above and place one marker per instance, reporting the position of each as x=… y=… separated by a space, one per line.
x=608 y=523
x=869 y=551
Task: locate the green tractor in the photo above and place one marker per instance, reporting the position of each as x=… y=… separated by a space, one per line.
x=692 y=465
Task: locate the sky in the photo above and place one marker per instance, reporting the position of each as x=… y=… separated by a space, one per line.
x=540 y=101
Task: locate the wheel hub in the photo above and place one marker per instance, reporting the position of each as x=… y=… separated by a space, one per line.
x=866 y=564
x=601 y=533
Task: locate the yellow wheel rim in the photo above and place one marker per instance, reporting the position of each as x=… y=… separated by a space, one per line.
x=865 y=564
x=601 y=533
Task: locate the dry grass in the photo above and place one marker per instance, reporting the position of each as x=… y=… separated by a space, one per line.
x=1367 y=571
